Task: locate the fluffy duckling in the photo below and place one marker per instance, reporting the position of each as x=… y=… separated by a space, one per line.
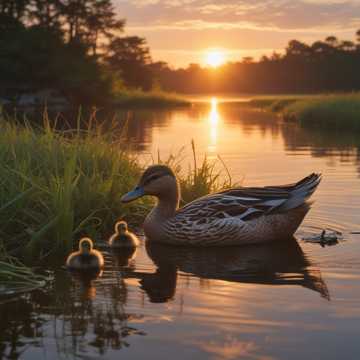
x=123 y=238
x=86 y=258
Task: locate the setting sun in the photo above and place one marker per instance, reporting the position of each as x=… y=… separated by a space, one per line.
x=215 y=58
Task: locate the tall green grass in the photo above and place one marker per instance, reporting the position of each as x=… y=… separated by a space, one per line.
x=152 y=99
x=199 y=179
x=16 y=278
x=57 y=186
x=337 y=112
x=329 y=112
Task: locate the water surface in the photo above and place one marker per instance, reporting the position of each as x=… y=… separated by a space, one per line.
x=287 y=301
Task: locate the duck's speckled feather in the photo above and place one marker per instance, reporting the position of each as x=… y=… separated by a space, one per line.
x=240 y=215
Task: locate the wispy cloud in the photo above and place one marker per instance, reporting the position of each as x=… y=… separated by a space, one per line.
x=245 y=24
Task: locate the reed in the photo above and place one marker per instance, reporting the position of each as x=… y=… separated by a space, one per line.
x=152 y=99
x=59 y=185
x=332 y=112
x=336 y=112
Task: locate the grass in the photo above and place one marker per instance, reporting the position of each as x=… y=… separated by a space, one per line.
x=152 y=99
x=17 y=278
x=58 y=186
x=332 y=112
x=198 y=180
x=337 y=112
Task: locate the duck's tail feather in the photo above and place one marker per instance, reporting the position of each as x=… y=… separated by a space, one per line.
x=301 y=192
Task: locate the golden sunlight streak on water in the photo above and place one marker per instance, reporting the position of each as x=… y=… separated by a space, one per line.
x=213 y=120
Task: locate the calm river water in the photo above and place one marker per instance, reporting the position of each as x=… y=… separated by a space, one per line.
x=288 y=301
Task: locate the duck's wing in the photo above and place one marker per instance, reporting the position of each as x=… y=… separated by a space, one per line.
x=246 y=203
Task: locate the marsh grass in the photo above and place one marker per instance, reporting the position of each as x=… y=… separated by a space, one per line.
x=17 y=278
x=329 y=112
x=57 y=186
x=199 y=179
x=152 y=99
x=337 y=112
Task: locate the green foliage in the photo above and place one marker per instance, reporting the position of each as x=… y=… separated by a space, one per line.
x=339 y=112
x=157 y=99
x=58 y=186
x=199 y=180
x=16 y=277
x=130 y=57
x=55 y=186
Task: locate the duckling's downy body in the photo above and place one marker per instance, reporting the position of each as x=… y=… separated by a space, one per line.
x=86 y=258
x=123 y=238
x=231 y=217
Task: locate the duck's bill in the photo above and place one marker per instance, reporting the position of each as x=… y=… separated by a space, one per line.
x=133 y=195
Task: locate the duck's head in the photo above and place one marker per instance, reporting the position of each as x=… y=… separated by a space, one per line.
x=121 y=227
x=157 y=180
x=85 y=245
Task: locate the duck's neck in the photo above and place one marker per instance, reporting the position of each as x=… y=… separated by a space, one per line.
x=168 y=202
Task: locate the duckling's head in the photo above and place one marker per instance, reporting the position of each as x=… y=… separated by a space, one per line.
x=85 y=245
x=157 y=180
x=121 y=227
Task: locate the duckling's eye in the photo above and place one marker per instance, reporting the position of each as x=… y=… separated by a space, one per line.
x=152 y=178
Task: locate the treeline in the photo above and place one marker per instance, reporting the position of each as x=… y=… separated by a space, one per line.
x=324 y=66
x=74 y=46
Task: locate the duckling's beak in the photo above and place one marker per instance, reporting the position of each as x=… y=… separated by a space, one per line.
x=133 y=195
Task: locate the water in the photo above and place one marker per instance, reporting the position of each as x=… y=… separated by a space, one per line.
x=285 y=301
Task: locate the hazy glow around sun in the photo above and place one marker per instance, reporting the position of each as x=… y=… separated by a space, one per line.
x=215 y=58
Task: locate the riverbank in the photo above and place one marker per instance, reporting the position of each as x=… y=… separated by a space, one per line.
x=152 y=99
x=337 y=112
x=59 y=186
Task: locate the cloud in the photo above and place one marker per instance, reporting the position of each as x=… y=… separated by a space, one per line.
x=272 y=14
x=193 y=25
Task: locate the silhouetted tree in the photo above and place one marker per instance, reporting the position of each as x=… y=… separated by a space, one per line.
x=130 y=56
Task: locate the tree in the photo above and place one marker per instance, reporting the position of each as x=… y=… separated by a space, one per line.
x=332 y=41
x=102 y=21
x=45 y=13
x=130 y=56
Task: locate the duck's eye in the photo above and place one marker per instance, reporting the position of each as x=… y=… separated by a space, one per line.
x=152 y=178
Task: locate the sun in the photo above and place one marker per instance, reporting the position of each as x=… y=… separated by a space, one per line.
x=215 y=58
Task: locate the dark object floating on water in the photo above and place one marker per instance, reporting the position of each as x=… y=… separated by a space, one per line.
x=325 y=238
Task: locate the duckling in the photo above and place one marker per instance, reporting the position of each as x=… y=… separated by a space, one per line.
x=86 y=258
x=123 y=237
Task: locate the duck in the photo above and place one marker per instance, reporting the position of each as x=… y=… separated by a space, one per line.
x=86 y=258
x=123 y=238
x=235 y=216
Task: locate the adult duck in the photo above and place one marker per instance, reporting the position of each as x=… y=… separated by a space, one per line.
x=243 y=215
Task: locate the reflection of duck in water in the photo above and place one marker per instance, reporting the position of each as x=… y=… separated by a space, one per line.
x=86 y=258
x=235 y=216
x=84 y=282
x=276 y=264
x=124 y=256
x=160 y=286
x=123 y=238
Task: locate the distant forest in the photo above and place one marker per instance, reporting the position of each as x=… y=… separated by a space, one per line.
x=324 y=66
x=78 y=47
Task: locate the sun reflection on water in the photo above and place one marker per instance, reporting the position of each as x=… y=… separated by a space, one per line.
x=213 y=120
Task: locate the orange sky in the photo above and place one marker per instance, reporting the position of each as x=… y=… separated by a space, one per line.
x=181 y=31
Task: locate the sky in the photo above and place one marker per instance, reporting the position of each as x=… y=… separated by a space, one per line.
x=184 y=31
